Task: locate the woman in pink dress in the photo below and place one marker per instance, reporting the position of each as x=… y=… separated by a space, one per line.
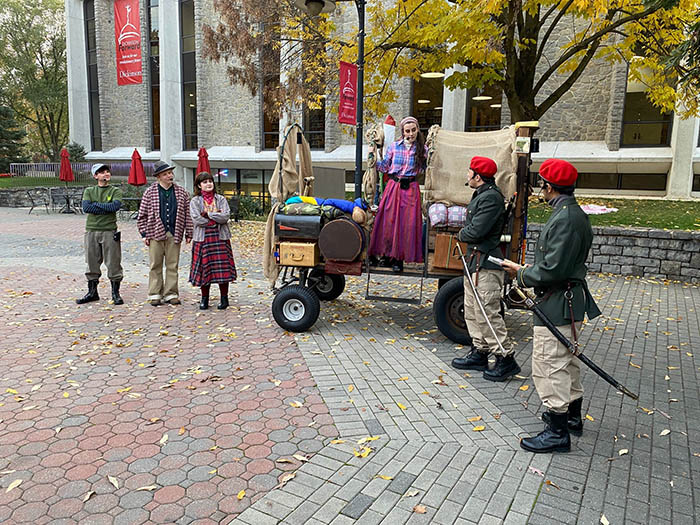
x=398 y=226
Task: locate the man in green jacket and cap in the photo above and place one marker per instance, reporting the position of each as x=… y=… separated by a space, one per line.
x=482 y=233
x=559 y=279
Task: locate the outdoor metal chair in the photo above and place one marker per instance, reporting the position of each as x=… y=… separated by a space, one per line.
x=37 y=201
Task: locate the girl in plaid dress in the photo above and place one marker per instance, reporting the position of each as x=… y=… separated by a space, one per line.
x=212 y=257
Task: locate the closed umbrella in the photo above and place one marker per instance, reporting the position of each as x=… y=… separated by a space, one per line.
x=203 y=162
x=137 y=177
x=66 y=175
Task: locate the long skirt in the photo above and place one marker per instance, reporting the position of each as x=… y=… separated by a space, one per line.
x=398 y=225
x=212 y=260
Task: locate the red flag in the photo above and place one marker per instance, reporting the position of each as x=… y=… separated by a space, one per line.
x=127 y=33
x=347 y=110
x=66 y=172
x=203 y=161
x=137 y=177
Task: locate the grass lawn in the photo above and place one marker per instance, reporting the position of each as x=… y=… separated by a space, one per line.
x=661 y=214
x=30 y=182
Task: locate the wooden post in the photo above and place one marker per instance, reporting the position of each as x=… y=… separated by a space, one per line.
x=519 y=231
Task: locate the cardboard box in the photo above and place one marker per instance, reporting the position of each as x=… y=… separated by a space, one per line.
x=299 y=254
x=446 y=253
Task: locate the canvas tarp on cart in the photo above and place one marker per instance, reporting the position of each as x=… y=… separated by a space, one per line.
x=449 y=155
x=286 y=182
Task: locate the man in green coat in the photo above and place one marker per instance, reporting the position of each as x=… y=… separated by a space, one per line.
x=482 y=233
x=559 y=279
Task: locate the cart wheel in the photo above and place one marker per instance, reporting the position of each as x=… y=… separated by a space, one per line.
x=328 y=286
x=448 y=311
x=295 y=308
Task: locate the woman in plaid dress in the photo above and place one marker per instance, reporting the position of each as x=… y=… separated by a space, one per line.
x=212 y=257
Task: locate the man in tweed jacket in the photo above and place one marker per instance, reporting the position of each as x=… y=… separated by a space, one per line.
x=163 y=221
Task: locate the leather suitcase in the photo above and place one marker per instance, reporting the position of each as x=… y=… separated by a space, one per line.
x=299 y=254
x=297 y=226
x=446 y=253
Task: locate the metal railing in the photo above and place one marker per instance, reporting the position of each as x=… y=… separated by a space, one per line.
x=81 y=170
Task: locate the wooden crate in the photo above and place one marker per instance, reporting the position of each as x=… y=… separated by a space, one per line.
x=299 y=254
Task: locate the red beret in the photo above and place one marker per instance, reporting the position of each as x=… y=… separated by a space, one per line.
x=558 y=172
x=483 y=166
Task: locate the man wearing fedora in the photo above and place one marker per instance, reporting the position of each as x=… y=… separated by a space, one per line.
x=485 y=218
x=558 y=276
x=163 y=221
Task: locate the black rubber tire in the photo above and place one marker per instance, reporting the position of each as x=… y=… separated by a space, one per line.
x=295 y=308
x=448 y=311
x=330 y=285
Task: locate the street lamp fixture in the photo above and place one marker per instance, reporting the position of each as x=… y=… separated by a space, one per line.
x=314 y=8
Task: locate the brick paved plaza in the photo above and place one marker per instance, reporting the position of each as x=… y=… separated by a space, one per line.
x=133 y=414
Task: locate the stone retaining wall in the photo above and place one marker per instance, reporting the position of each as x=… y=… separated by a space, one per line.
x=665 y=254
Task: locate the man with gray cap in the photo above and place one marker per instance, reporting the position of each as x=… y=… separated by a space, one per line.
x=164 y=220
x=102 y=240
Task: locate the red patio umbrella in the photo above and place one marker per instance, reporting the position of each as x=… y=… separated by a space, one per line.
x=137 y=177
x=203 y=162
x=66 y=175
x=66 y=172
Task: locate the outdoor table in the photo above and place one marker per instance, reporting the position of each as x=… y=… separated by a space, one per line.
x=127 y=206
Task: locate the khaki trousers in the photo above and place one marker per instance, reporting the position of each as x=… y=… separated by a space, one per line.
x=490 y=286
x=159 y=251
x=101 y=247
x=555 y=370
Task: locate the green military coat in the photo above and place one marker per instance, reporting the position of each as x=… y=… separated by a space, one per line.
x=560 y=258
x=482 y=232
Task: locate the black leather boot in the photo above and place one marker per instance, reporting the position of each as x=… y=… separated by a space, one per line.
x=204 y=302
x=223 y=304
x=91 y=295
x=554 y=437
x=505 y=367
x=115 y=293
x=474 y=360
x=573 y=421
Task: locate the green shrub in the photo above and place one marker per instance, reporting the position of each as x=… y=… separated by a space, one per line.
x=249 y=208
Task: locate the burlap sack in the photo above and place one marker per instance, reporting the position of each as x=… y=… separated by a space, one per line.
x=375 y=135
x=449 y=155
x=284 y=183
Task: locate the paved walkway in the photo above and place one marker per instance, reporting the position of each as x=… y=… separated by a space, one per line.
x=361 y=419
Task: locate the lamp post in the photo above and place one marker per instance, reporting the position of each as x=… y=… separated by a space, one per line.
x=316 y=7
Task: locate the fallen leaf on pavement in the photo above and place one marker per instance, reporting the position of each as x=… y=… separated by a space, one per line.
x=149 y=487
x=623 y=452
x=402 y=407
x=604 y=520
x=664 y=432
x=88 y=496
x=241 y=494
x=524 y=387
x=419 y=509
x=475 y=418
x=551 y=483
x=385 y=477
x=536 y=471
x=16 y=483
x=478 y=429
x=114 y=481
x=589 y=417
x=164 y=439
x=296 y=404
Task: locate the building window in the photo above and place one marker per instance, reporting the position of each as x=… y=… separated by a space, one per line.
x=643 y=124
x=622 y=181
x=154 y=67
x=314 y=125
x=483 y=109
x=427 y=102
x=189 y=74
x=93 y=86
x=269 y=90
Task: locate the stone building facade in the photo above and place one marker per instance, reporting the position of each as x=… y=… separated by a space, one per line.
x=585 y=126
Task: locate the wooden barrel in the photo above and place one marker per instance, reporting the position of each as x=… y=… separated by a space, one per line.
x=341 y=240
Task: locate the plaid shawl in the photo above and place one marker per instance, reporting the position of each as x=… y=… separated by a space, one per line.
x=149 y=224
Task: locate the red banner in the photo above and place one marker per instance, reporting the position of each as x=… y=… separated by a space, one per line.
x=347 y=110
x=127 y=32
